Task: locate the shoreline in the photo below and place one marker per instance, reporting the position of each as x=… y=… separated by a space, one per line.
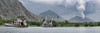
x=36 y=26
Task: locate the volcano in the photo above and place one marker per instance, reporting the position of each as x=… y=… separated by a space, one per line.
x=80 y=19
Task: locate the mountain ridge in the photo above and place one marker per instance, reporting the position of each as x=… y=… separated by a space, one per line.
x=10 y=9
x=50 y=14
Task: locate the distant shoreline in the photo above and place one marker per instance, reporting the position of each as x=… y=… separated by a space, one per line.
x=37 y=26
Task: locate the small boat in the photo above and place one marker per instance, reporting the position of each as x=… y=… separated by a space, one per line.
x=21 y=22
x=47 y=23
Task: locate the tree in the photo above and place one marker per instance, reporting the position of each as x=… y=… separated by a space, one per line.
x=21 y=17
x=98 y=23
x=0 y=18
x=9 y=20
x=1 y=22
x=66 y=21
x=54 y=23
x=85 y=24
x=77 y=25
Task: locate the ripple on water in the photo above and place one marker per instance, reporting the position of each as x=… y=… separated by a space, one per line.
x=50 y=30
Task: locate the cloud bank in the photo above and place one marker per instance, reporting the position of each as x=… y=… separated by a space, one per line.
x=69 y=3
x=67 y=8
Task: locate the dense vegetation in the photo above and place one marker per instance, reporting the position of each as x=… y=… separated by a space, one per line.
x=56 y=24
x=2 y=22
x=76 y=24
x=67 y=24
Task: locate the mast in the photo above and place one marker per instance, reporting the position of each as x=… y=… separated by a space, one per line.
x=45 y=18
x=45 y=21
x=51 y=20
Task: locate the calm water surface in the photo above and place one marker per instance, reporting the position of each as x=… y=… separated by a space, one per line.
x=50 y=30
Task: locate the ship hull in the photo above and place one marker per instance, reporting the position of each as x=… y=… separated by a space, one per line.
x=13 y=25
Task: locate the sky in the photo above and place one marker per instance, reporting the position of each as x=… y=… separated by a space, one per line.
x=65 y=8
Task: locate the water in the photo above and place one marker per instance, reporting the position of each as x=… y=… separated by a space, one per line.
x=50 y=30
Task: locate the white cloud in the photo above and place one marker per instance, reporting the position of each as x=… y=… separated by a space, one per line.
x=60 y=2
x=71 y=2
x=51 y=2
x=55 y=2
x=68 y=2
